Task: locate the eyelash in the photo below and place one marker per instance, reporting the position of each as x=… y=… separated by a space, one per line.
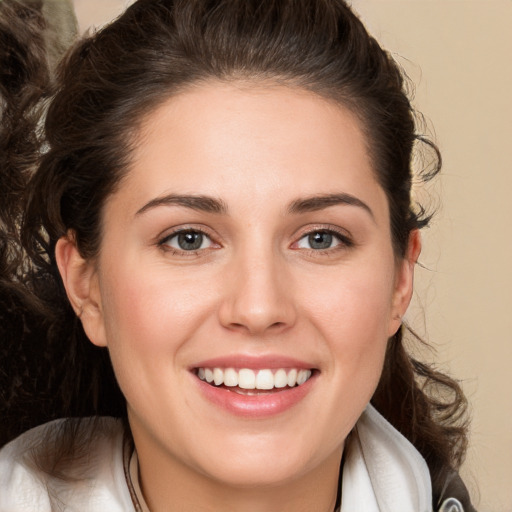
x=345 y=242
x=163 y=243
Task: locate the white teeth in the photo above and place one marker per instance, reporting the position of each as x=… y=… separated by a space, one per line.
x=265 y=379
x=246 y=378
x=292 y=378
x=303 y=376
x=230 y=377
x=208 y=375
x=218 y=376
x=280 y=379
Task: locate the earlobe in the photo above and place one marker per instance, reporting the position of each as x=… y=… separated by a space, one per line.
x=82 y=288
x=404 y=281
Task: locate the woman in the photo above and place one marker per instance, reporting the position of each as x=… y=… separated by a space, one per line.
x=217 y=247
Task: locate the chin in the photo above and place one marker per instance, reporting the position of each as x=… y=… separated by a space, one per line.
x=249 y=473
x=267 y=461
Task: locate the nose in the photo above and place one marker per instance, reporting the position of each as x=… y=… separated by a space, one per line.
x=258 y=296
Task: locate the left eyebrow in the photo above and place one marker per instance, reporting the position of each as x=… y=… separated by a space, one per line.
x=194 y=202
x=320 y=202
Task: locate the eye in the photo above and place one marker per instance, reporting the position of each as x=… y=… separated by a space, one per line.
x=187 y=240
x=321 y=240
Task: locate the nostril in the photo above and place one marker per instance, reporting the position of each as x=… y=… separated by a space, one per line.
x=277 y=325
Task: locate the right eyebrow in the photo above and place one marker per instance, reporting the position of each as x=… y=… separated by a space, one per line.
x=200 y=203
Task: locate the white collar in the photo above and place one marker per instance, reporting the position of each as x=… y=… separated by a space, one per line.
x=383 y=471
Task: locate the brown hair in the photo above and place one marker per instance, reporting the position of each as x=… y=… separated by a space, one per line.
x=104 y=87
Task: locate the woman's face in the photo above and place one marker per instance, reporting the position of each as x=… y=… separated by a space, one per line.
x=250 y=243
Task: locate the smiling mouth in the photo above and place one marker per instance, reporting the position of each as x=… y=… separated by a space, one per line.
x=249 y=382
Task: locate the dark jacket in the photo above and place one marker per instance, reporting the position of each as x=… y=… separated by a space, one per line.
x=455 y=496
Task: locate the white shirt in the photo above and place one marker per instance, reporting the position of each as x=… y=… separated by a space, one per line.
x=383 y=472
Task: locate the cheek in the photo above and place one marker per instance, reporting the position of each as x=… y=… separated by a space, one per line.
x=347 y=314
x=149 y=315
x=150 y=318
x=353 y=314
x=357 y=302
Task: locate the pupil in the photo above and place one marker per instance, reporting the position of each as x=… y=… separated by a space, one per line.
x=190 y=241
x=320 y=240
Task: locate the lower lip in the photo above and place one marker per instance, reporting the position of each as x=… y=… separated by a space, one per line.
x=256 y=406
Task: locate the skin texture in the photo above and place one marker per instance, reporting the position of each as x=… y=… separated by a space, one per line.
x=254 y=288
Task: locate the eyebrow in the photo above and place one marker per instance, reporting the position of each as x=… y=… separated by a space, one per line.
x=320 y=202
x=200 y=203
x=213 y=205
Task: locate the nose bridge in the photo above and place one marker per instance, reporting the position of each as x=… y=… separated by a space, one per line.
x=258 y=298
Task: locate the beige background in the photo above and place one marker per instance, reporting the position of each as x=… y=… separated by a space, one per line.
x=458 y=52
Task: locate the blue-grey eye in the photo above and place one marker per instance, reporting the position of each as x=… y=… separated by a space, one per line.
x=319 y=240
x=188 y=241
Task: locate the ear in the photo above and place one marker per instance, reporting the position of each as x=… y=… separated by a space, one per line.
x=80 y=280
x=404 y=281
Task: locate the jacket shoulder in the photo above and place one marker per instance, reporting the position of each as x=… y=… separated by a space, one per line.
x=22 y=483
x=455 y=496
x=60 y=461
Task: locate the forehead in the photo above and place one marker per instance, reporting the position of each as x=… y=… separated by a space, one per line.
x=224 y=139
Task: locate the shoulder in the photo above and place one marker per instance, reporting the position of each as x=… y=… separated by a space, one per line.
x=21 y=479
x=66 y=462
x=455 y=496
x=21 y=488
x=396 y=471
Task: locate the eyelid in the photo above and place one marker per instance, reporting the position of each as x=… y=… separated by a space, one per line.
x=325 y=228
x=168 y=234
x=345 y=238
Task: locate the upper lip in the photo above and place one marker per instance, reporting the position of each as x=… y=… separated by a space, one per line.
x=271 y=361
